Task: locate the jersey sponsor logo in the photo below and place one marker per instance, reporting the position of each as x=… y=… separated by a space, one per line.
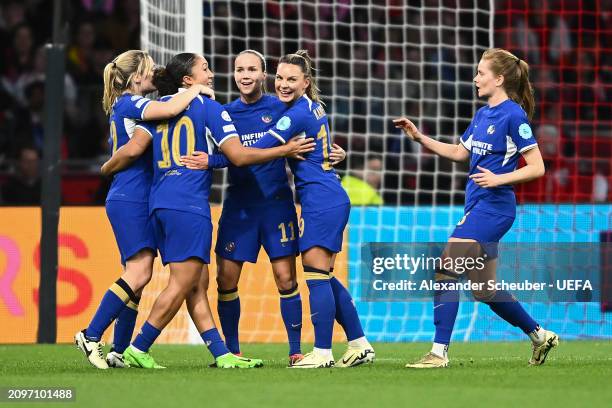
x=525 y=131
x=251 y=138
x=226 y=117
x=230 y=246
x=481 y=148
x=491 y=129
x=266 y=118
x=284 y=123
x=319 y=112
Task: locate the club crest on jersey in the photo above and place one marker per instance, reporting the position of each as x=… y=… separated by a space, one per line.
x=491 y=129
x=230 y=246
x=266 y=118
x=525 y=131
x=284 y=123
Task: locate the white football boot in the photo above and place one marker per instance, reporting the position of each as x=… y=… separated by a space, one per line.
x=91 y=349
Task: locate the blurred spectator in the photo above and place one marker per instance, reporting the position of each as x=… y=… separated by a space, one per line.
x=99 y=6
x=12 y=13
x=30 y=119
x=18 y=57
x=81 y=53
x=363 y=181
x=23 y=188
x=37 y=74
x=7 y=124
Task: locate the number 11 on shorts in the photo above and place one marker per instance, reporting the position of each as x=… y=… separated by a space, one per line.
x=283 y=228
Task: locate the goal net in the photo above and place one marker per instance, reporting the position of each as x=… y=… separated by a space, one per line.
x=380 y=60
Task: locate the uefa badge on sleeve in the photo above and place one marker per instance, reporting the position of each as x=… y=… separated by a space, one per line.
x=525 y=131
x=284 y=123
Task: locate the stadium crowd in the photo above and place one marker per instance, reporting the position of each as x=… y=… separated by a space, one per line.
x=395 y=60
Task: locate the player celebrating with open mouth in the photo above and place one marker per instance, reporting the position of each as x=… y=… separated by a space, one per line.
x=325 y=212
x=497 y=136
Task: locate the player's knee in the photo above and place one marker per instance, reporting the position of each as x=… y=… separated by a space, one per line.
x=226 y=281
x=284 y=281
x=142 y=281
x=181 y=287
x=138 y=277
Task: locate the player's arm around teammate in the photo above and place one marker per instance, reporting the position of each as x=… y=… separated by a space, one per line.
x=496 y=137
x=126 y=80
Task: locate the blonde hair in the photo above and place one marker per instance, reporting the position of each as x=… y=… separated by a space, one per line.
x=118 y=75
x=303 y=60
x=516 y=77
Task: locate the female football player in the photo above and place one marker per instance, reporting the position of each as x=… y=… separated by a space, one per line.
x=126 y=79
x=497 y=136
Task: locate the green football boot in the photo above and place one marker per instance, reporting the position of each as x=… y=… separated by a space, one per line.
x=230 y=360
x=139 y=360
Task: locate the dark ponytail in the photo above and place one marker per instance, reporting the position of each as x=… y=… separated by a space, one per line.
x=169 y=79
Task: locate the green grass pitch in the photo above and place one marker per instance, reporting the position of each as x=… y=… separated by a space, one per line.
x=482 y=374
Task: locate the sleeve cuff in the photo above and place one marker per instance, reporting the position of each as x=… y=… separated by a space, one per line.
x=144 y=109
x=145 y=129
x=529 y=147
x=276 y=135
x=226 y=138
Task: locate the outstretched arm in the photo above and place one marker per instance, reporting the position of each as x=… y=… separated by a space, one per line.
x=126 y=154
x=454 y=152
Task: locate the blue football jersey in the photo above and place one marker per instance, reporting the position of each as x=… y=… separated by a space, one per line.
x=495 y=139
x=134 y=183
x=260 y=183
x=203 y=126
x=316 y=182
